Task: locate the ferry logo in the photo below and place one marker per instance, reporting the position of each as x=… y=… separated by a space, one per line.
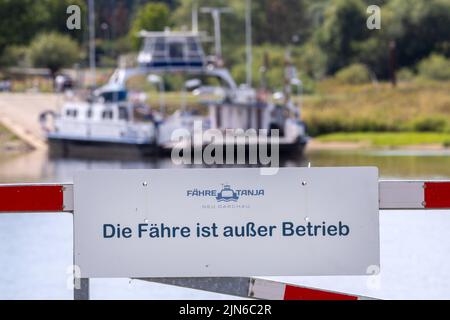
x=227 y=195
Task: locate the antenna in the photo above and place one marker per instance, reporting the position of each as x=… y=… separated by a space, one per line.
x=195 y=17
x=248 y=37
x=92 y=41
x=216 y=13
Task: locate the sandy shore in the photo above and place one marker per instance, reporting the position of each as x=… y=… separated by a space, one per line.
x=19 y=113
x=316 y=145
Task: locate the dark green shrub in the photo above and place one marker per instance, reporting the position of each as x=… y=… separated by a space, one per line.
x=435 y=67
x=430 y=124
x=353 y=74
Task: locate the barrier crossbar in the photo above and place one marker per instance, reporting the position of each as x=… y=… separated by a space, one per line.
x=393 y=195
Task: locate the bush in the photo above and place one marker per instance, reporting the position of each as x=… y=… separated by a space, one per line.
x=430 y=124
x=435 y=67
x=53 y=51
x=14 y=56
x=353 y=74
x=405 y=75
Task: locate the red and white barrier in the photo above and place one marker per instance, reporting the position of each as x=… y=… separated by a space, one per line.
x=36 y=198
x=398 y=195
x=393 y=195
x=271 y=290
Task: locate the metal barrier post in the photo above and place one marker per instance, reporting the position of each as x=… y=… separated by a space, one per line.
x=81 y=289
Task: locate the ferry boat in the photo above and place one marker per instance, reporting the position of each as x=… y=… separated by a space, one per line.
x=113 y=119
x=106 y=124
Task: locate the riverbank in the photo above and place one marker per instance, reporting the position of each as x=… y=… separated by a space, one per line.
x=377 y=140
x=416 y=106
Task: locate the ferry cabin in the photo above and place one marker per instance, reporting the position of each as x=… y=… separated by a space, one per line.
x=108 y=119
x=171 y=51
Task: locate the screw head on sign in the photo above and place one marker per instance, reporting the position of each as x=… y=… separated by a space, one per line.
x=304 y=183
x=145 y=184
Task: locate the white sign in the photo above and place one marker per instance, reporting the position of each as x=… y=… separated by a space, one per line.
x=226 y=222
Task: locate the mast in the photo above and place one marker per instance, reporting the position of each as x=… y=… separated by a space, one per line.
x=248 y=37
x=195 y=17
x=92 y=66
x=216 y=14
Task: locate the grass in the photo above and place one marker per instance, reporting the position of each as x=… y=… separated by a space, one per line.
x=390 y=139
x=3 y=132
x=10 y=143
x=6 y=135
x=413 y=106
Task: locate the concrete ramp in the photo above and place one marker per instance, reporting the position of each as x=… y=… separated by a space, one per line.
x=19 y=112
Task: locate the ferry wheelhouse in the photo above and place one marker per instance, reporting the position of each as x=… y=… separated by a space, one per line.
x=171 y=52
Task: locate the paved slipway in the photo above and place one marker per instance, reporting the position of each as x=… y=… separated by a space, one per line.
x=19 y=112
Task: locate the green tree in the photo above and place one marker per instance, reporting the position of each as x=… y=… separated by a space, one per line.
x=150 y=17
x=424 y=28
x=19 y=21
x=56 y=19
x=344 y=25
x=281 y=21
x=232 y=25
x=275 y=21
x=418 y=27
x=53 y=51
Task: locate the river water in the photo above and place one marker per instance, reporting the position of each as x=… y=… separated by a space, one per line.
x=36 y=249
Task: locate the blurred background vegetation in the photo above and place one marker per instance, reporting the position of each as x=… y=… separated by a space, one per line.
x=344 y=66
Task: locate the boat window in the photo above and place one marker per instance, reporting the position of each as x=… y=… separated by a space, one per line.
x=194 y=55
x=71 y=113
x=89 y=113
x=176 y=50
x=114 y=96
x=193 y=46
x=123 y=113
x=160 y=45
x=107 y=115
x=148 y=45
